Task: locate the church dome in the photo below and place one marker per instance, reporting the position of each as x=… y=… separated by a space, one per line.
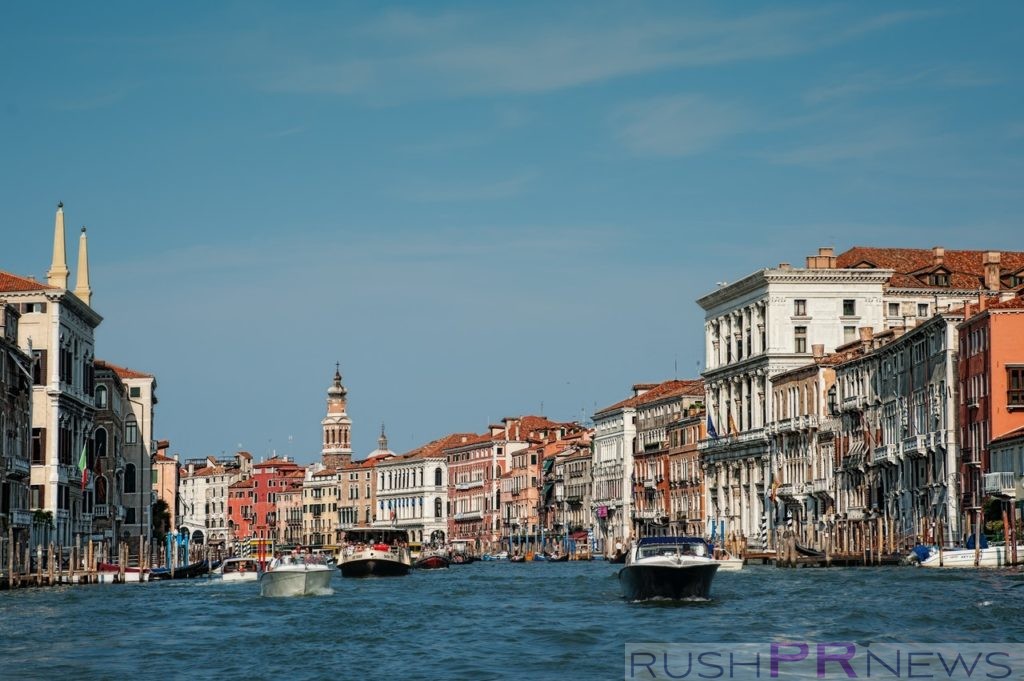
x=337 y=390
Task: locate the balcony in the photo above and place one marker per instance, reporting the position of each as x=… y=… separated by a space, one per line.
x=854 y=403
x=650 y=484
x=756 y=435
x=646 y=515
x=971 y=457
x=786 y=490
x=21 y=518
x=469 y=485
x=1001 y=484
x=469 y=515
x=18 y=467
x=68 y=473
x=819 y=486
x=886 y=454
x=101 y=511
x=84 y=524
x=781 y=426
x=915 y=445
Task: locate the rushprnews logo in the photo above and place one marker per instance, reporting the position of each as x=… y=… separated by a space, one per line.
x=824 y=660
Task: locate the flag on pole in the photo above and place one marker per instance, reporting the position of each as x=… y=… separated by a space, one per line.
x=83 y=466
x=712 y=433
x=733 y=430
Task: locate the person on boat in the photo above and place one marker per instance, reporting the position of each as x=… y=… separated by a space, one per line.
x=277 y=560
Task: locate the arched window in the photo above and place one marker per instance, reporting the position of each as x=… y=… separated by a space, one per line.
x=129 y=479
x=101 y=397
x=437 y=507
x=437 y=477
x=101 y=442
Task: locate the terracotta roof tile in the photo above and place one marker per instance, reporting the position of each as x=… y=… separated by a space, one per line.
x=12 y=283
x=1015 y=433
x=912 y=265
x=673 y=388
x=122 y=372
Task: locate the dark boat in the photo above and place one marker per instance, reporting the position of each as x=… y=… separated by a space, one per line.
x=558 y=558
x=673 y=568
x=375 y=553
x=431 y=561
x=517 y=558
x=619 y=558
x=197 y=569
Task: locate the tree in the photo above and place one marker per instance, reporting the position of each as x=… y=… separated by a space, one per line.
x=161 y=518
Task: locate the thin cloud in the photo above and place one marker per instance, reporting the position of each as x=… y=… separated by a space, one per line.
x=871 y=82
x=477 y=53
x=678 y=126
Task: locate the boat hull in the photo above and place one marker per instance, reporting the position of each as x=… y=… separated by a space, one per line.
x=645 y=582
x=313 y=580
x=373 y=567
x=730 y=564
x=432 y=563
x=991 y=557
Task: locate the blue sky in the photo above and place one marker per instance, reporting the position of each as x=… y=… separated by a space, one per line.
x=480 y=210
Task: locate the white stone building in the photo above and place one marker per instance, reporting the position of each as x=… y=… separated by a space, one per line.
x=203 y=496
x=412 y=493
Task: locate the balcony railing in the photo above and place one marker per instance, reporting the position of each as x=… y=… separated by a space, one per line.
x=1002 y=484
x=469 y=485
x=645 y=514
x=885 y=454
x=101 y=511
x=915 y=444
x=786 y=490
x=18 y=467
x=469 y=515
x=21 y=518
x=971 y=457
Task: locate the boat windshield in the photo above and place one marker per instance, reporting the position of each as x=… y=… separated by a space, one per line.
x=672 y=550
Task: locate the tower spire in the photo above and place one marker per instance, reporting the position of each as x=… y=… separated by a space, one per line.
x=58 y=274
x=82 y=289
x=382 y=441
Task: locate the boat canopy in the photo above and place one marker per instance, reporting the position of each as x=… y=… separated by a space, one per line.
x=660 y=541
x=375 y=535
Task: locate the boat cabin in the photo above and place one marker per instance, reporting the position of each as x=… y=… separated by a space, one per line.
x=671 y=546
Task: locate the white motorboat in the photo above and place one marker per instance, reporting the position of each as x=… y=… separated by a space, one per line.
x=239 y=570
x=375 y=553
x=668 y=567
x=729 y=563
x=989 y=557
x=295 y=576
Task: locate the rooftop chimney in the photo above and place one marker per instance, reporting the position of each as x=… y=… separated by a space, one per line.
x=938 y=255
x=824 y=260
x=991 y=262
x=866 y=333
x=817 y=351
x=784 y=266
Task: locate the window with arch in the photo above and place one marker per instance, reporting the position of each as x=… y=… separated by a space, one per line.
x=131 y=433
x=129 y=479
x=100 y=438
x=437 y=477
x=101 y=397
x=437 y=507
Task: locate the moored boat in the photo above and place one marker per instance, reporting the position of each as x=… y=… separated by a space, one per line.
x=375 y=553
x=668 y=567
x=295 y=576
x=989 y=557
x=110 y=573
x=196 y=569
x=728 y=562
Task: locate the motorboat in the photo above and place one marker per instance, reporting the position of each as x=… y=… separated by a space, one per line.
x=296 y=575
x=239 y=570
x=431 y=560
x=110 y=573
x=375 y=553
x=988 y=557
x=728 y=562
x=674 y=568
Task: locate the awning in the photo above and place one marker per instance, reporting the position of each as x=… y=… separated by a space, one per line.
x=548 y=463
x=547 y=489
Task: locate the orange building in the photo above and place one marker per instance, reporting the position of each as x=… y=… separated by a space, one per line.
x=991 y=387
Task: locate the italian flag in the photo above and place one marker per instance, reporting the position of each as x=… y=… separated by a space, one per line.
x=83 y=465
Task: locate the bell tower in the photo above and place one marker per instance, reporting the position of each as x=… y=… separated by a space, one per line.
x=337 y=427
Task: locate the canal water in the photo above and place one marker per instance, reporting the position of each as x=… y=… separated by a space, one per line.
x=479 y=621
